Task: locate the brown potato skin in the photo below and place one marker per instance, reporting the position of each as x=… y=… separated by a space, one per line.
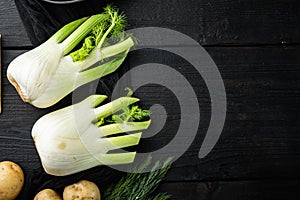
x=82 y=190
x=47 y=194
x=11 y=180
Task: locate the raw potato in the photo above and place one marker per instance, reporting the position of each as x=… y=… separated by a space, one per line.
x=82 y=190
x=47 y=194
x=11 y=180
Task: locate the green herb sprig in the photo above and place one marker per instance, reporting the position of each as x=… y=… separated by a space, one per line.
x=139 y=185
x=128 y=113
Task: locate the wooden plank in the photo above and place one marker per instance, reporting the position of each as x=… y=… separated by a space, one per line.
x=260 y=138
x=221 y=22
x=11 y=26
x=276 y=189
x=209 y=22
x=234 y=190
x=0 y=73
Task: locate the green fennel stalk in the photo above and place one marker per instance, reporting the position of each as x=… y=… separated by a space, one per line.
x=70 y=139
x=49 y=72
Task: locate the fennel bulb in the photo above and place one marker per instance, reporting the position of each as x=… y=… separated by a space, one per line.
x=71 y=139
x=49 y=72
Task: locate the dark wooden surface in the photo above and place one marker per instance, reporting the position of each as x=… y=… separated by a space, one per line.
x=255 y=45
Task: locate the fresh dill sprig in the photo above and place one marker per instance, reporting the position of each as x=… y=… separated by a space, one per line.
x=140 y=185
x=160 y=196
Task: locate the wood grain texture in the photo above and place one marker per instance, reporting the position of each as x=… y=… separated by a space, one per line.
x=221 y=22
x=11 y=27
x=209 y=22
x=246 y=190
x=0 y=73
x=260 y=138
x=258 y=154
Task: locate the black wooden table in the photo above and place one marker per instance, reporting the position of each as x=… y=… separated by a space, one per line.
x=255 y=45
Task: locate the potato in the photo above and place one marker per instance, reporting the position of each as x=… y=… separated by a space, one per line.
x=47 y=194
x=11 y=180
x=82 y=190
